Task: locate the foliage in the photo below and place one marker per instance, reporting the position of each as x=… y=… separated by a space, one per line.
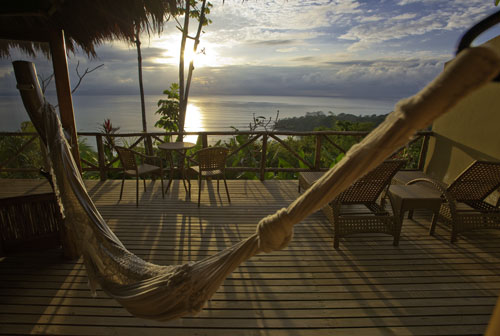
x=29 y=157
x=261 y=122
x=195 y=12
x=248 y=155
x=168 y=109
x=313 y=120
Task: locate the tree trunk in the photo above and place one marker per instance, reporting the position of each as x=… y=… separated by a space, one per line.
x=182 y=100
x=148 y=145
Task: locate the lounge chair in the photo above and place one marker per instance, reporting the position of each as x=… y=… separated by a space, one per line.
x=464 y=208
x=131 y=168
x=356 y=209
x=211 y=163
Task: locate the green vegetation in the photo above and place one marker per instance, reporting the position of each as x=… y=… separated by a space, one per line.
x=169 y=109
x=342 y=122
x=249 y=155
x=29 y=156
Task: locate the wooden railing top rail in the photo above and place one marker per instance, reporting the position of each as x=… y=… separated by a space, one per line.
x=294 y=133
x=105 y=164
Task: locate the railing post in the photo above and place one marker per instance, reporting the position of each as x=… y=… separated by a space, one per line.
x=100 y=158
x=423 y=152
x=149 y=145
x=317 y=154
x=204 y=140
x=263 y=158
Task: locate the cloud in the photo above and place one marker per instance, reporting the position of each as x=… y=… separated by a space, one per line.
x=271 y=42
x=287 y=50
x=382 y=78
x=430 y=16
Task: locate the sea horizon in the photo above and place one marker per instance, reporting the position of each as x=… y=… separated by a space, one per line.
x=205 y=113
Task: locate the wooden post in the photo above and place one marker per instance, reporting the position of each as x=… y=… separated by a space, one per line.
x=204 y=140
x=317 y=153
x=149 y=145
x=100 y=157
x=263 y=158
x=61 y=75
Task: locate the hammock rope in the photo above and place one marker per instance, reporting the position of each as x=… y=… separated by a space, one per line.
x=165 y=292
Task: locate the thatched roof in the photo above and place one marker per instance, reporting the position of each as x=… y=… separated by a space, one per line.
x=86 y=24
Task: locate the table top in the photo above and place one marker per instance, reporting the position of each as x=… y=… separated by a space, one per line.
x=414 y=192
x=176 y=145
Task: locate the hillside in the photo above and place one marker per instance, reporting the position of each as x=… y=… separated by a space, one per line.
x=313 y=120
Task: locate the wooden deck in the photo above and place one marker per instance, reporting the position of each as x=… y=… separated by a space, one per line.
x=426 y=286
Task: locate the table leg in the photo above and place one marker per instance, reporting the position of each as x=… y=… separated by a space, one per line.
x=182 y=158
x=170 y=159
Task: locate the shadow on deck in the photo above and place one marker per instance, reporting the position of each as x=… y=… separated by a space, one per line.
x=426 y=286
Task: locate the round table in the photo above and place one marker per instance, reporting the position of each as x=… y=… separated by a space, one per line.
x=181 y=148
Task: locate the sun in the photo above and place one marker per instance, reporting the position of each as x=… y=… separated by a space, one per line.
x=205 y=56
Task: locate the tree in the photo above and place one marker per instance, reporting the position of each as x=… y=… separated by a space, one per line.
x=190 y=11
x=168 y=109
x=137 y=42
x=45 y=81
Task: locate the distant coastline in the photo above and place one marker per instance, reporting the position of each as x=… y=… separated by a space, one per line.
x=205 y=113
x=314 y=120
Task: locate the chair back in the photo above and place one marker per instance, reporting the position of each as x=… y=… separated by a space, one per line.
x=368 y=188
x=476 y=182
x=212 y=159
x=127 y=158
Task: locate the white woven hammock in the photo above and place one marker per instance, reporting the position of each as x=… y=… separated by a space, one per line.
x=166 y=292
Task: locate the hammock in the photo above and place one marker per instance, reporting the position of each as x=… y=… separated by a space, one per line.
x=166 y=292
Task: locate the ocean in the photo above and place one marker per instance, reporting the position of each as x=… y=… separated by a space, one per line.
x=205 y=113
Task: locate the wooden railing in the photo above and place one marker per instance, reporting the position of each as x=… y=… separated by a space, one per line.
x=103 y=165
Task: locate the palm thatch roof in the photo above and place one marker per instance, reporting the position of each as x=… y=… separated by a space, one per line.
x=27 y=24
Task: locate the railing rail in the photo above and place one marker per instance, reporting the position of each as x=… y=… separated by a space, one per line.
x=104 y=164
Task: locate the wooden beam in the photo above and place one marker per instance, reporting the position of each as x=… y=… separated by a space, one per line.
x=61 y=75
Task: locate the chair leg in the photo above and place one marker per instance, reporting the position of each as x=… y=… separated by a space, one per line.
x=217 y=185
x=336 y=242
x=336 y=235
x=137 y=191
x=397 y=234
x=121 y=189
x=454 y=235
x=144 y=180
x=162 y=190
x=199 y=190
x=227 y=190
x=432 y=228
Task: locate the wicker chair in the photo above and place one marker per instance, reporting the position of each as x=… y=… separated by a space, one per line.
x=131 y=168
x=345 y=213
x=463 y=207
x=211 y=163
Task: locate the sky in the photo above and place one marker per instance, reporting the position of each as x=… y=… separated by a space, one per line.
x=346 y=48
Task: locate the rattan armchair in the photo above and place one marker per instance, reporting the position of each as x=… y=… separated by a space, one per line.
x=357 y=209
x=463 y=207
x=211 y=163
x=132 y=169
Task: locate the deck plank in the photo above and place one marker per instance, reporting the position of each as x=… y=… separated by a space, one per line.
x=426 y=286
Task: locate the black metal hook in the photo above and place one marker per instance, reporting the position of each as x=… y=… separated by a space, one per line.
x=477 y=30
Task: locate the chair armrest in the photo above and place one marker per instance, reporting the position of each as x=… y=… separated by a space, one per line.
x=442 y=188
x=190 y=159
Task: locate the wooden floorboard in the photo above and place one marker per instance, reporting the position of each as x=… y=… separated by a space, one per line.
x=425 y=286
